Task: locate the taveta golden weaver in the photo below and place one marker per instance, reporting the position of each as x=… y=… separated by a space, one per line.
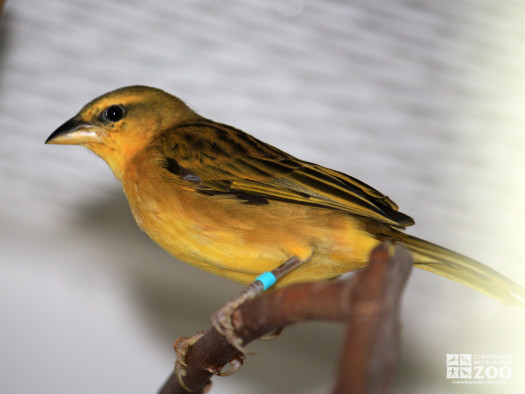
x=220 y=199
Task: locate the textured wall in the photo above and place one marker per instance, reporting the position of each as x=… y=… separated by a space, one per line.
x=423 y=100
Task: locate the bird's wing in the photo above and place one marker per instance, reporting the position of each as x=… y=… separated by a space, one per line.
x=220 y=160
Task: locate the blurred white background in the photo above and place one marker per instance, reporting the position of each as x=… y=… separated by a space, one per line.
x=421 y=99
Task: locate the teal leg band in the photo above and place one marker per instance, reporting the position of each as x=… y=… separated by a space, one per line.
x=268 y=279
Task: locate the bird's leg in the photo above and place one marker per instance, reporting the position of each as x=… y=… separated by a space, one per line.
x=222 y=319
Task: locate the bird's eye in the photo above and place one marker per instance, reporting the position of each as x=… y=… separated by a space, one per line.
x=113 y=113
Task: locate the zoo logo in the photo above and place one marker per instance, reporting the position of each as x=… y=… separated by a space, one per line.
x=466 y=368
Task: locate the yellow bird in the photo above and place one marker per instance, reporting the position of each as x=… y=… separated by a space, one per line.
x=220 y=199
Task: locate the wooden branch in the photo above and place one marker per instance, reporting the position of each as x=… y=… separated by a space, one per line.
x=373 y=333
x=368 y=302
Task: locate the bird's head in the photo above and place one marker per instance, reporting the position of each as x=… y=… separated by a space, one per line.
x=119 y=124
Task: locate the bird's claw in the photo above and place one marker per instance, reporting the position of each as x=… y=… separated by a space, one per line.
x=181 y=346
x=222 y=319
x=222 y=323
x=235 y=363
x=272 y=335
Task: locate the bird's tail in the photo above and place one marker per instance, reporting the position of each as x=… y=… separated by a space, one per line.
x=462 y=269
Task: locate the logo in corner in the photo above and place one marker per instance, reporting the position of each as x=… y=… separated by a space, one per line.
x=473 y=368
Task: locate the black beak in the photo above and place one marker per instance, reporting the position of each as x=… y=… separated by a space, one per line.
x=74 y=131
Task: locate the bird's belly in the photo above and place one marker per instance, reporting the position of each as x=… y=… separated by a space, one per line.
x=241 y=242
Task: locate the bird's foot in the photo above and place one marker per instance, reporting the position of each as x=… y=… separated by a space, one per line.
x=181 y=346
x=222 y=319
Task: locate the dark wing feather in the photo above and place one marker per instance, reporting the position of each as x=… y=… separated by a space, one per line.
x=221 y=160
